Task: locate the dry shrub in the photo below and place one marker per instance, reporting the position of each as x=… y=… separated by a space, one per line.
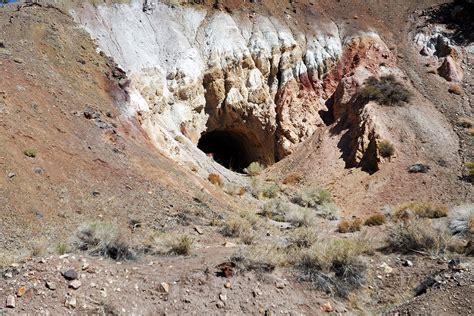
x=335 y=266
x=416 y=235
x=215 y=179
x=470 y=170
x=181 y=245
x=312 y=197
x=455 y=89
x=263 y=257
x=302 y=237
x=300 y=216
x=386 y=90
x=254 y=169
x=375 y=220
x=271 y=191
x=6 y=260
x=462 y=220
x=241 y=226
x=102 y=239
x=349 y=226
x=420 y=209
x=386 y=149
x=292 y=179
x=233 y=189
x=465 y=122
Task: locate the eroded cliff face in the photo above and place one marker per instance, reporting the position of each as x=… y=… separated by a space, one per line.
x=241 y=86
x=196 y=71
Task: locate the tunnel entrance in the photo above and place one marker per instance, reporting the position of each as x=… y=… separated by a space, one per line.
x=230 y=149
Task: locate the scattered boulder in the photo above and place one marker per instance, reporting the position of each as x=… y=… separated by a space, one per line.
x=226 y=269
x=70 y=302
x=75 y=284
x=90 y=113
x=223 y=297
x=449 y=70
x=418 y=168
x=407 y=263
x=386 y=268
x=11 y=301
x=164 y=287
x=327 y=307
x=11 y=175
x=70 y=274
x=50 y=285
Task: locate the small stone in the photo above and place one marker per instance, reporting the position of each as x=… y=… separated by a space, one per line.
x=38 y=170
x=256 y=292
x=227 y=285
x=64 y=256
x=51 y=285
x=75 y=284
x=11 y=175
x=198 y=230
x=386 y=268
x=85 y=266
x=327 y=307
x=8 y=275
x=164 y=287
x=70 y=274
x=223 y=297
x=18 y=60
x=11 y=301
x=220 y=304
x=280 y=285
x=229 y=244
x=70 y=302
x=407 y=263
x=21 y=291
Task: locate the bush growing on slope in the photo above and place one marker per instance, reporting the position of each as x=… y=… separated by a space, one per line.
x=420 y=209
x=254 y=169
x=416 y=235
x=312 y=197
x=386 y=149
x=375 y=220
x=335 y=266
x=102 y=239
x=386 y=90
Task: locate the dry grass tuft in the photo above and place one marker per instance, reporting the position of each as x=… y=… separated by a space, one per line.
x=292 y=179
x=421 y=210
x=263 y=257
x=416 y=235
x=254 y=169
x=375 y=220
x=181 y=245
x=312 y=197
x=6 y=260
x=455 y=89
x=349 y=226
x=215 y=179
x=102 y=239
x=470 y=170
x=241 y=226
x=386 y=149
x=335 y=266
x=30 y=152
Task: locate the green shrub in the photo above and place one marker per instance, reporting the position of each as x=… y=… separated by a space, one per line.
x=312 y=197
x=271 y=191
x=30 y=152
x=386 y=90
x=254 y=169
x=386 y=149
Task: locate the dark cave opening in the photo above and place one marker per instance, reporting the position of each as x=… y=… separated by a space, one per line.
x=230 y=149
